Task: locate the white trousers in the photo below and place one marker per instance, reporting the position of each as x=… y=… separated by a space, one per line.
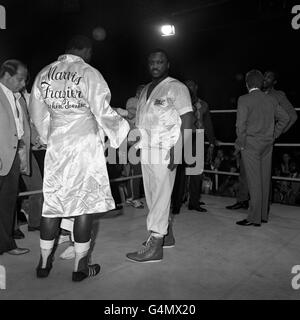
x=158 y=185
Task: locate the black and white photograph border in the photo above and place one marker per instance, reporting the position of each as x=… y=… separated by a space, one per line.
x=217 y=53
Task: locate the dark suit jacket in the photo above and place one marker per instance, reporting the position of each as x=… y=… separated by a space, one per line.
x=260 y=120
x=204 y=119
x=9 y=137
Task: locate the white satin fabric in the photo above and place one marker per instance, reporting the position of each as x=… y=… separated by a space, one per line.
x=158 y=117
x=69 y=106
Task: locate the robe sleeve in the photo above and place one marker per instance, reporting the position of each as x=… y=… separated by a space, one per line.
x=39 y=112
x=114 y=126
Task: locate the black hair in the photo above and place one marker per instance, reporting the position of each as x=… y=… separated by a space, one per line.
x=11 y=67
x=79 y=42
x=158 y=50
x=275 y=73
x=254 y=79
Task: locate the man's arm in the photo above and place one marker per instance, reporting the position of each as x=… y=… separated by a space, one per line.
x=186 y=123
x=281 y=121
x=241 y=125
x=290 y=110
x=114 y=126
x=35 y=138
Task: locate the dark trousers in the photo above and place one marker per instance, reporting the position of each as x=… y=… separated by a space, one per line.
x=243 y=191
x=258 y=171
x=34 y=204
x=195 y=190
x=9 y=186
x=178 y=189
x=195 y=184
x=136 y=184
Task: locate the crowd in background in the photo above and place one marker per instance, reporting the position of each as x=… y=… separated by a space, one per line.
x=285 y=164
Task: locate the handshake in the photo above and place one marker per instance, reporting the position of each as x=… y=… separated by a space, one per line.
x=38 y=144
x=121 y=112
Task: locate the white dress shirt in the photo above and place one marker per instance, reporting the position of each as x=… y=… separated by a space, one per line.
x=13 y=100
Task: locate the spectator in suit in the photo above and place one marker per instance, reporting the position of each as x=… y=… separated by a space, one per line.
x=14 y=148
x=260 y=120
x=202 y=120
x=270 y=80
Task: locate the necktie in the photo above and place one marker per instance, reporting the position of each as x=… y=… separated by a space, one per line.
x=17 y=109
x=19 y=117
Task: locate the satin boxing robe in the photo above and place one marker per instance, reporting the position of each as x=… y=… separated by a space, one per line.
x=69 y=106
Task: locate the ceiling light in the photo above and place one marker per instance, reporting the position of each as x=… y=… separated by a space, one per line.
x=167 y=30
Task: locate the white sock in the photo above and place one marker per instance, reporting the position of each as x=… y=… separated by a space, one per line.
x=81 y=251
x=46 y=249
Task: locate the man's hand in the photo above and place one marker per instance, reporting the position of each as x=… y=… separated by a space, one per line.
x=121 y=112
x=39 y=144
x=137 y=137
x=172 y=166
x=237 y=150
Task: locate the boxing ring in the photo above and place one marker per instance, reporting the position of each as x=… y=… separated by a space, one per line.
x=213 y=258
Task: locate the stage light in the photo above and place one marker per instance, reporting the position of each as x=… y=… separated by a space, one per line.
x=168 y=30
x=99 y=34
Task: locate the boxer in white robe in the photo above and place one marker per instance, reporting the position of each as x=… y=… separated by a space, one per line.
x=70 y=108
x=164 y=111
